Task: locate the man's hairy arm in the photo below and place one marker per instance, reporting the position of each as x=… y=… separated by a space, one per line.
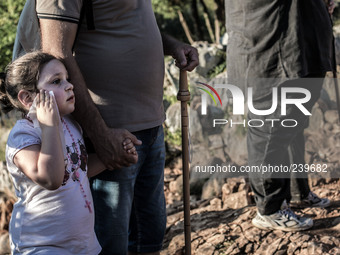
x=57 y=38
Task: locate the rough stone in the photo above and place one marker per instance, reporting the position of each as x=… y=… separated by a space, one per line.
x=195 y=127
x=173 y=120
x=335 y=251
x=316 y=121
x=6 y=183
x=215 y=204
x=215 y=142
x=212 y=188
x=233 y=185
x=249 y=248
x=207 y=120
x=331 y=116
x=177 y=185
x=208 y=57
x=233 y=249
x=205 y=249
x=216 y=239
x=4 y=243
x=241 y=242
x=253 y=234
x=314 y=248
x=236 y=145
x=236 y=200
x=200 y=159
x=293 y=247
x=334 y=141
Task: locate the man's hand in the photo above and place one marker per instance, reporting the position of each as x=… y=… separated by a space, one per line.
x=109 y=148
x=185 y=55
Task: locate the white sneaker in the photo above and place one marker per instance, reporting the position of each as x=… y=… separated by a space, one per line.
x=285 y=220
x=312 y=200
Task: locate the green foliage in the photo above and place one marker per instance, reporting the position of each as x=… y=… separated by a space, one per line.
x=9 y=16
x=6 y=123
x=336 y=13
x=173 y=138
x=166 y=12
x=164 y=8
x=223 y=247
x=170 y=99
x=2 y=153
x=220 y=67
x=167 y=17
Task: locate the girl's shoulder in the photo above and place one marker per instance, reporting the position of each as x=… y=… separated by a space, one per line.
x=23 y=127
x=22 y=135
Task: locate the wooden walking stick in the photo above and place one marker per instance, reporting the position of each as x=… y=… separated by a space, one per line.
x=184 y=96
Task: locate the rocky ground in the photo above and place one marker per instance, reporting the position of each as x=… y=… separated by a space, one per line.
x=222 y=208
x=222 y=225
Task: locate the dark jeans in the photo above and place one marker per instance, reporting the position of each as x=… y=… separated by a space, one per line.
x=129 y=202
x=280 y=146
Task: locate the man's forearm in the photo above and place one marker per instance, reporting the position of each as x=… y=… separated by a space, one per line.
x=85 y=109
x=169 y=44
x=57 y=39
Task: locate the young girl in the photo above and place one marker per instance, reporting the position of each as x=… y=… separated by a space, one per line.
x=54 y=212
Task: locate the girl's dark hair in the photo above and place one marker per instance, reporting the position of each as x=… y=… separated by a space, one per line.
x=23 y=73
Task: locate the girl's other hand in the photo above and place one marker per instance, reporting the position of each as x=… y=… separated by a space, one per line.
x=47 y=111
x=129 y=147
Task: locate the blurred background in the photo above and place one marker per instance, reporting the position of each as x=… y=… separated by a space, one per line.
x=222 y=207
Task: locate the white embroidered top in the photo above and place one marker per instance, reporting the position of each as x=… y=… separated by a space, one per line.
x=52 y=222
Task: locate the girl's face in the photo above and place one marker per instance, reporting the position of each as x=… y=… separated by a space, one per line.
x=54 y=77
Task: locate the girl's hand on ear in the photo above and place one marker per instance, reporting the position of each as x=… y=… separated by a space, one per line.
x=47 y=111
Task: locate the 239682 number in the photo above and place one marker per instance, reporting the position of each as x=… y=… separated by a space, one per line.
x=312 y=168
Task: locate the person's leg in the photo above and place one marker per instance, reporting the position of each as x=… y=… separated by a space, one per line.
x=270 y=192
x=299 y=187
x=113 y=195
x=269 y=147
x=148 y=215
x=301 y=195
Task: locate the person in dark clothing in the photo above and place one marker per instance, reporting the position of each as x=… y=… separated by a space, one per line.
x=281 y=45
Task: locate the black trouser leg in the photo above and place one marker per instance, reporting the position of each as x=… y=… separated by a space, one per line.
x=269 y=145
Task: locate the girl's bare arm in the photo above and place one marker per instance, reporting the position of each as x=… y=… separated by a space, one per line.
x=44 y=164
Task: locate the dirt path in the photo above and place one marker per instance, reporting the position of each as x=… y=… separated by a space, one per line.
x=217 y=231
